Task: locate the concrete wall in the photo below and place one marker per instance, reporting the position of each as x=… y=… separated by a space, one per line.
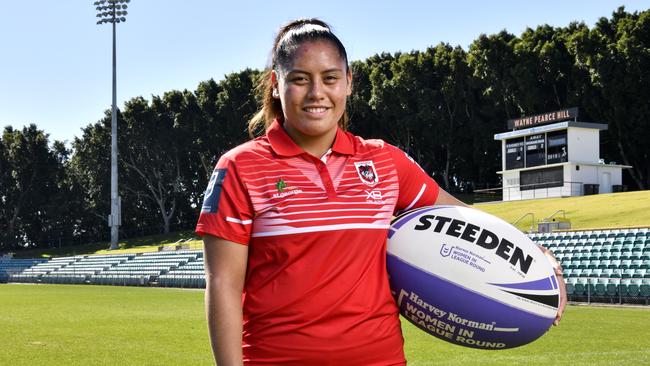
x=583 y=145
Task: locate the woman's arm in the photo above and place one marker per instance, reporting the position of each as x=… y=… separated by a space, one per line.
x=225 y=272
x=445 y=198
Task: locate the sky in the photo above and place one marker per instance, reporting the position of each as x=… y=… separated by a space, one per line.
x=55 y=62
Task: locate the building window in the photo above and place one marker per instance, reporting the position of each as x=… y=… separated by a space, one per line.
x=535 y=150
x=515 y=153
x=556 y=150
x=541 y=178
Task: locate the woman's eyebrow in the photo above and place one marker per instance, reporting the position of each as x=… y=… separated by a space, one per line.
x=299 y=71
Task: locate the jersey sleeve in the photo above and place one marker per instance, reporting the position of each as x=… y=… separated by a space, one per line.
x=227 y=211
x=416 y=187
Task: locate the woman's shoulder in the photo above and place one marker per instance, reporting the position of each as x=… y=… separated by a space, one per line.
x=363 y=144
x=247 y=150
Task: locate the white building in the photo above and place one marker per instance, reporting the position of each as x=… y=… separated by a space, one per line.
x=559 y=159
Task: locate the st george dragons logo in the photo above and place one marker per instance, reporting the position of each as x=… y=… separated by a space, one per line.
x=367 y=172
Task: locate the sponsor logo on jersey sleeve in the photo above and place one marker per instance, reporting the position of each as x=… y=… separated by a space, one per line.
x=213 y=192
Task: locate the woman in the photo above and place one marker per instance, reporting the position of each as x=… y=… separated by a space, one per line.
x=296 y=221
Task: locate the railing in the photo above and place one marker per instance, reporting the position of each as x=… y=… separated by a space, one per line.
x=614 y=293
x=533 y=191
x=532 y=223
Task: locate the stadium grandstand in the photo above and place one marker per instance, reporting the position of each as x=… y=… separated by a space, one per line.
x=603 y=265
x=611 y=266
x=183 y=268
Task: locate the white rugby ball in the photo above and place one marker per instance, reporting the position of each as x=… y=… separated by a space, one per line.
x=470 y=278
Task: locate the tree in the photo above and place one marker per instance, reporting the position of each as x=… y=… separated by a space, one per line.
x=615 y=55
x=151 y=151
x=29 y=177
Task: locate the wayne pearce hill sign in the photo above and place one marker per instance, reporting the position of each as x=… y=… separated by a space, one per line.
x=538 y=119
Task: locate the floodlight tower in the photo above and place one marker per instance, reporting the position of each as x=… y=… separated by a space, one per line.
x=113 y=11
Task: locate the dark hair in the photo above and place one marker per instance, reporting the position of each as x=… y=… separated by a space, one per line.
x=288 y=39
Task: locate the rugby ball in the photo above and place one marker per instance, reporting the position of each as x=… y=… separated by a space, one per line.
x=470 y=278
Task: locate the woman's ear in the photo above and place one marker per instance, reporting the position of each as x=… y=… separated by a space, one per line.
x=274 y=84
x=349 y=80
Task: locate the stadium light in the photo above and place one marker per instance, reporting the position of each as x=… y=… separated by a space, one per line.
x=114 y=12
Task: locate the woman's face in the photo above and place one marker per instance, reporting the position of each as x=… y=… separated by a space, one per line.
x=313 y=89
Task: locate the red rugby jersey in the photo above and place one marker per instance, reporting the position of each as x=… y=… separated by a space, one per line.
x=316 y=289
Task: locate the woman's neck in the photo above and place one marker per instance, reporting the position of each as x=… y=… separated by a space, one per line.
x=316 y=146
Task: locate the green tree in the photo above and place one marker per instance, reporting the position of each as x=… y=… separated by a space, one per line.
x=29 y=176
x=615 y=56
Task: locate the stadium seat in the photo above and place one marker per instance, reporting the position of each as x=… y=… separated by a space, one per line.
x=570 y=289
x=628 y=273
x=631 y=288
x=644 y=290
x=613 y=264
x=625 y=264
x=600 y=288
x=603 y=264
x=612 y=288
x=580 y=288
x=596 y=272
x=615 y=273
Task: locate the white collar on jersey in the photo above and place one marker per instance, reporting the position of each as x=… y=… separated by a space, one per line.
x=326 y=155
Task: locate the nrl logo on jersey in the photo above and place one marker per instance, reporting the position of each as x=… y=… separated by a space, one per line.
x=367 y=172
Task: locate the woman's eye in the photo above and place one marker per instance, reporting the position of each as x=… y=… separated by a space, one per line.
x=299 y=79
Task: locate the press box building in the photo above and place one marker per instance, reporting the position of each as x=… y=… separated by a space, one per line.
x=555 y=155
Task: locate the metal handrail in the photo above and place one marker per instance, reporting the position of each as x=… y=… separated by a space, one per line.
x=532 y=224
x=555 y=213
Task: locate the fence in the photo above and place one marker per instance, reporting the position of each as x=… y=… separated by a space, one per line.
x=618 y=291
x=530 y=191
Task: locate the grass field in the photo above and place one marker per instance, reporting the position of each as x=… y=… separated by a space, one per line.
x=104 y=325
x=613 y=210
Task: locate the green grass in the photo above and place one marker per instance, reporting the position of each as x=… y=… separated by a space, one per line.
x=136 y=245
x=628 y=209
x=105 y=325
x=94 y=325
x=586 y=336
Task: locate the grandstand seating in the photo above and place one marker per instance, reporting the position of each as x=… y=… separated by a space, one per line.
x=9 y=266
x=599 y=265
x=191 y=274
x=121 y=269
x=603 y=265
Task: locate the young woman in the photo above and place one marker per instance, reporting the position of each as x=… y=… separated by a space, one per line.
x=295 y=222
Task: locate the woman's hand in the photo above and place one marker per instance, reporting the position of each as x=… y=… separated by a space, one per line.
x=558 y=273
